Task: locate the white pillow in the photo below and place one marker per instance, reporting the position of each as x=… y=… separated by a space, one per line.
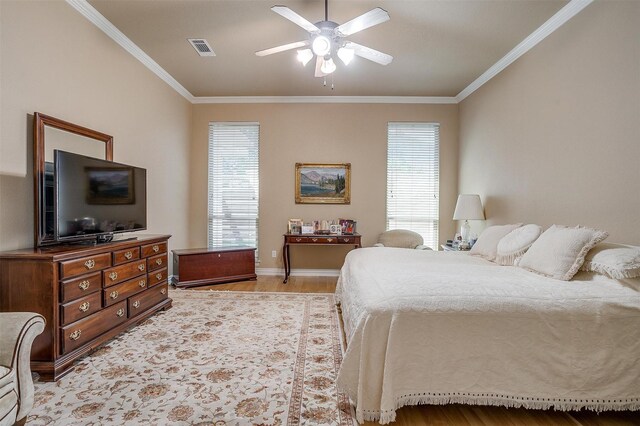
x=560 y=251
x=516 y=243
x=487 y=244
x=615 y=260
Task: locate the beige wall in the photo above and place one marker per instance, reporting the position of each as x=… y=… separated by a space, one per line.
x=320 y=133
x=56 y=62
x=555 y=138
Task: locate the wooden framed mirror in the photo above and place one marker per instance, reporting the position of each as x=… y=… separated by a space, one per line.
x=51 y=133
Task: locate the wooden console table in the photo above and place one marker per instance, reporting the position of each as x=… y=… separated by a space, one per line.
x=328 y=240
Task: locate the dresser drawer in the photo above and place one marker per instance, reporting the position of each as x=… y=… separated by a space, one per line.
x=81 y=332
x=141 y=302
x=153 y=249
x=121 y=291
x=72 y=268
x=157 y=262
x=126 y=255
x=322 y=240
x=81 y=308
x=298 y=240
x=157 y=277
x=79 y=287
x=121 y=273
x=347 y=239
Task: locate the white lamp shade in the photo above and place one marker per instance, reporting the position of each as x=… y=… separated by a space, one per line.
x=468 y=207
x=346 y=55
x=305 y=56
x=328 y=66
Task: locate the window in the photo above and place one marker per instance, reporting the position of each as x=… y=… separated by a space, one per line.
x=413 y=179
x=233 y=184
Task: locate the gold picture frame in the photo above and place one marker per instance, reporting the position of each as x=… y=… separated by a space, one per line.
x=318 y=183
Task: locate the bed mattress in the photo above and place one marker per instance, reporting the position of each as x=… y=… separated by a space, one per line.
x=426 y=327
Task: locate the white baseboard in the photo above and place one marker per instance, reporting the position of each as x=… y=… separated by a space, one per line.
x=299 y=272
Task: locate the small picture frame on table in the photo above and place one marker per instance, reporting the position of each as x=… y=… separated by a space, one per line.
x=294 y=226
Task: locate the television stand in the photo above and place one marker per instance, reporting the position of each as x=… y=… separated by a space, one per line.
x=87 y=294
x=105 y=238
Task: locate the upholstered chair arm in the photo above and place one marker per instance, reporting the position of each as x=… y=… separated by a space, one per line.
x=17 y=332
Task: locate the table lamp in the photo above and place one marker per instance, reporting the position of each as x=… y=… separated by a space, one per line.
x=468 y=207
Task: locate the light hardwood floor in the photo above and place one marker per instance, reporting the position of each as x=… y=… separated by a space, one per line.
x=444 y=415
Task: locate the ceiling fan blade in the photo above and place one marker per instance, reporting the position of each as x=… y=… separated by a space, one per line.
x=282 y=48
x=319 y=63
x=369 y=53
x=285 y=12
x=369 y=19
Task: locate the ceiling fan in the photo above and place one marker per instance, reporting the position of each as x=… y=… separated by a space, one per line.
x=327 y=40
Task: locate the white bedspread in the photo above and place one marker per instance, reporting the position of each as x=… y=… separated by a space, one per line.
x=445 y=327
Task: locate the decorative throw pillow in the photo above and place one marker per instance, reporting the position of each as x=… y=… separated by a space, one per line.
x=560 y=251
x=615 y=260
x=487 y=244
x=516 y=243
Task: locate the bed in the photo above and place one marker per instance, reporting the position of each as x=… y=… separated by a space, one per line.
x=426 y=327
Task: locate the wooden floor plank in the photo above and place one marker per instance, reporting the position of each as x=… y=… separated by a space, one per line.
x=452 y=414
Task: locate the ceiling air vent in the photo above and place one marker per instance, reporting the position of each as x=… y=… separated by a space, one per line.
x=202 y=46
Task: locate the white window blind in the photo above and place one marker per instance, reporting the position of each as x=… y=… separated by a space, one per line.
x=233 y=184
x=413 y=182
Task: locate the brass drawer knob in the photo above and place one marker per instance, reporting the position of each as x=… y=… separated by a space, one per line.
x=75 y=335
x=159 y=276
x=114 y=294
x=298 y=240
x=128 y=255
x=158 y=261
x=163 y=291
x=329 y=240
x=155 y=248
x=89 y=264
x=314 y=239
x=141 y=267
x=84 y=285
x=142 y=283
x=113 y=275
x=120 y=312
x=136 y=304
x=84 y=307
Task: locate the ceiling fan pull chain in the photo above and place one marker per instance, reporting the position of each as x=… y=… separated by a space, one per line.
x=325 y=82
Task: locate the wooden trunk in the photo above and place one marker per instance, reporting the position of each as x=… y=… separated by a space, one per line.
x=193 y=267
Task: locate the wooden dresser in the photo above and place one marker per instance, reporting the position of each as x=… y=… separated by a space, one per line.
x=87 y=294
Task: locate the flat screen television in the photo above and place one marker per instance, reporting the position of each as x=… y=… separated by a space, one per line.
x=95 y=199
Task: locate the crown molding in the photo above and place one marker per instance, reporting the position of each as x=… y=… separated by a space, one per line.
x=324 y=100
x=556 y=21
x=116 y=35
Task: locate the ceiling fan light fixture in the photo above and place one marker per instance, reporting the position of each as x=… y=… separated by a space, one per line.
x=321 y=45
x=305 y=56
x=346 y=55
x=328 y=66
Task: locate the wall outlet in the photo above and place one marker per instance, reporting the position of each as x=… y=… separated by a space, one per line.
x=274 y=253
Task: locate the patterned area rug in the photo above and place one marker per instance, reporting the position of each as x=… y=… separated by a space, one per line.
x=215 y=358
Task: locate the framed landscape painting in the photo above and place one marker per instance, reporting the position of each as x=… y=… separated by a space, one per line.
x=323 y=183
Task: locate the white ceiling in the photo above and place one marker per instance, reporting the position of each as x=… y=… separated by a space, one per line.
x=439 y=47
